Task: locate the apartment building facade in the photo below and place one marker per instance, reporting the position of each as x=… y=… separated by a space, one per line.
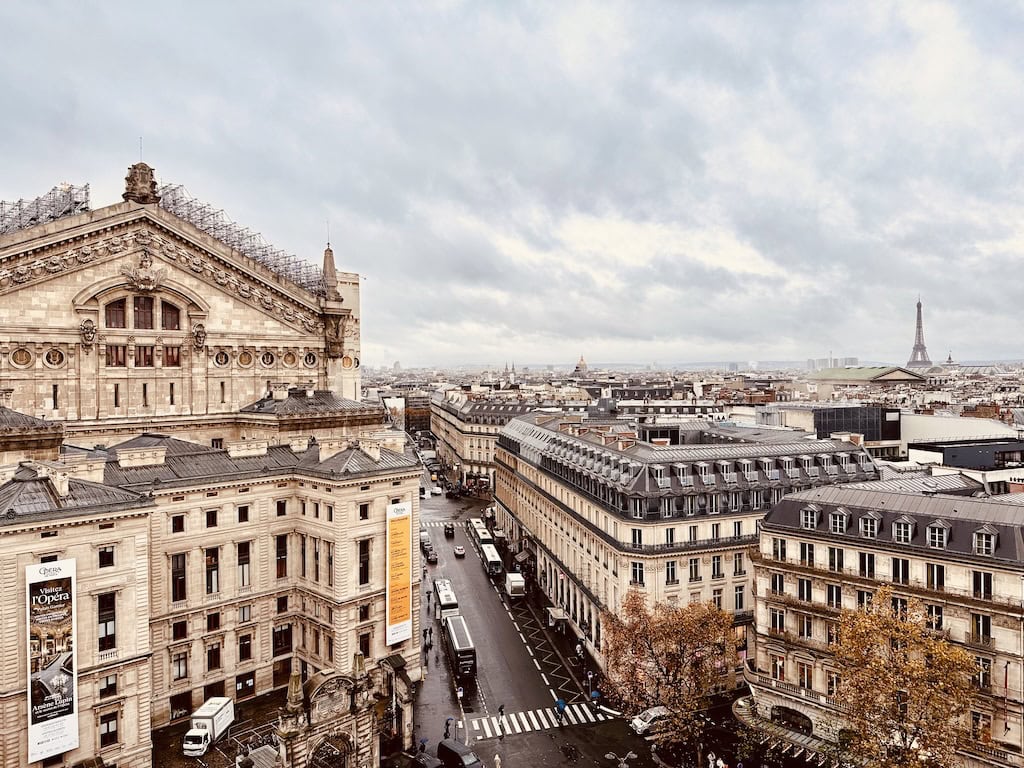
x=216 y=572
x=828 y=549
x=594 y=508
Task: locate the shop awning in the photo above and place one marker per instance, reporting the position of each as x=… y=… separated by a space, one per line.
x=522 y=557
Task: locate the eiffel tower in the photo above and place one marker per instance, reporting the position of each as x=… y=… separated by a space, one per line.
x=919 y=357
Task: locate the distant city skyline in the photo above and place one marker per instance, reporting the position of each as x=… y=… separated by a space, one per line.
x=643 y=182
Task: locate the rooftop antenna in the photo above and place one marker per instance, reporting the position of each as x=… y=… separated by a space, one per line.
x=328 y=222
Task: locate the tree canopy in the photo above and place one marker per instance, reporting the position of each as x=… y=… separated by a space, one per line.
x=905 y=689
x=672 y=656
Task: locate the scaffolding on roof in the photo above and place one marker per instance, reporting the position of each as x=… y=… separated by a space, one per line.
x=63 y=200
x=174 y=198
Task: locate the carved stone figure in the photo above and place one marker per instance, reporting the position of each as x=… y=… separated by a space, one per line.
x=88 y=331
x=140 y=185
x=144 y=278
x=198 y=335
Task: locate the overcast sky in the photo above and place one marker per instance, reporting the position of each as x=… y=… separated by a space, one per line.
x=633 y=182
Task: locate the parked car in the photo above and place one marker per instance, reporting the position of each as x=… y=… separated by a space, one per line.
x=460 y=551
x=455 y=754
x=425 y=542
x=449 y=530
x=423 y=760
x=431 y=555
x=647 y=719
x=437 y=490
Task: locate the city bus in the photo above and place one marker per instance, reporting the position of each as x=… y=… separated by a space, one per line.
x=491 y=559
x=444 y=599
x=479 y=532
x=459 y=646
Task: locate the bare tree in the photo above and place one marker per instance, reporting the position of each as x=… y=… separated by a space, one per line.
x=906 y=690
x=670 y=656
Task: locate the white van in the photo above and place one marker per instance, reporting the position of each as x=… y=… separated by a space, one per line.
x=643 y=722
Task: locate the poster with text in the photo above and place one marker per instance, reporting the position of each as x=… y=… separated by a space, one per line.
x=53 y=678
x=399 y=573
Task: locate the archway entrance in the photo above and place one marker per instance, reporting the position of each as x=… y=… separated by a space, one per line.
x=332 y=753
x=792 y=719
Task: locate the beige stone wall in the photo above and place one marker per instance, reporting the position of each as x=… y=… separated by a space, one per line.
x=327 y=607
x=22 y=545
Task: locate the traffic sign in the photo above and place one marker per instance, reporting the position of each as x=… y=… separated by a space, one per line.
x=459 y=692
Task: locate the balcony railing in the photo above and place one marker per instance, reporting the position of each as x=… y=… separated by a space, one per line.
x=756 y=677
x=979 y=640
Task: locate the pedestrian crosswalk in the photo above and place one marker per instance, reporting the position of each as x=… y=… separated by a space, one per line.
x=432 y=523
x=534 y=720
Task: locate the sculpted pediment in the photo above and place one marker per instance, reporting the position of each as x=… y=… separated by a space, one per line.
x=152 y=248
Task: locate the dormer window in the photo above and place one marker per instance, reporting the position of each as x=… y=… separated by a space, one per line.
x=869 y=526
x=903 y=530
x=938 y=535
x=838 y=521
x=985 y=541
x=809 y=517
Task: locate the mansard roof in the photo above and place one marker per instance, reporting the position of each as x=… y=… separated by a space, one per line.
x=32 y=492
x=16 y=421
x=964 y=516
x=299 y=403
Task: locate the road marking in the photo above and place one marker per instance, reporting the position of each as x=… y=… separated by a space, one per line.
x=572 y=718
x=536 y=665
x=525 y=722
x=585 y=710
x=476 y=725
x=533 y=719
x=544 y=678
x=522 y=638
x=553 y=695
x=487 y=728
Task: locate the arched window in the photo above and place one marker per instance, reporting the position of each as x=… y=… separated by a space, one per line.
x=114 y=314
x=170 y=317
x=144 y=312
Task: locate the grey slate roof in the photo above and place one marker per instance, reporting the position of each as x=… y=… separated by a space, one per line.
x=322 y=401
x=11 y=420
x=28 y=493
x=953 y=484
x=188 y=462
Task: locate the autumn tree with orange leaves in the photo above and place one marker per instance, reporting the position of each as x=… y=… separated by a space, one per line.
x=668 y=655
x=905 y=690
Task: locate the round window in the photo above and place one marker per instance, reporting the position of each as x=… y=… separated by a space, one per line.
x=290 y=359
x=21 y=356
x=54 y=357
x=245 y=359
x=221 y=358
x=267 y=358
x=309 y=359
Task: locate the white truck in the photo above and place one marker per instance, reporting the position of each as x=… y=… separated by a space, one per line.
x=515 y=586
x=209 y=723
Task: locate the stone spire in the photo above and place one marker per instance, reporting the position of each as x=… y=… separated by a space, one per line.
x=140 y=185
x=330 y=275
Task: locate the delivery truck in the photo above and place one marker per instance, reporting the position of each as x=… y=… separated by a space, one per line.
x=209 y=723
x=515 y=586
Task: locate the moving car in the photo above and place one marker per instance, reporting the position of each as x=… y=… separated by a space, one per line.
x=460 y=551
x=647 y=719
x=437 y=490
x=449 y=530
x=455 y=754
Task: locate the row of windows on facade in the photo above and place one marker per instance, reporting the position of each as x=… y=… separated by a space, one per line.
x=806 y=629
x=980 y=623
x=280 y=507
x=309 y=567
x=143 y=317
x=902 y=531
x=899 y=572
x=638 y=570
x=637 y=534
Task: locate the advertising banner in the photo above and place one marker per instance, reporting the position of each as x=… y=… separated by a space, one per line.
x=53 y=677
x=399 y=573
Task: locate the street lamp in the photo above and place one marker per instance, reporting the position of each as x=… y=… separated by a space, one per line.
x=622 y=760
x=590 y=684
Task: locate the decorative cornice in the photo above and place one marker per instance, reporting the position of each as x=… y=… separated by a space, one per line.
x=19 y=270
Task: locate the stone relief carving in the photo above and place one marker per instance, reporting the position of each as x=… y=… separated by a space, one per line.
x=199 y=335
x=16 y=272
x=88 y=331
x=143 y=277
x=140 y=185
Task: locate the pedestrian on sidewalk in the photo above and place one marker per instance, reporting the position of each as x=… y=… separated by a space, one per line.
x=430 y=634
x=497 y=761
x=424 y=634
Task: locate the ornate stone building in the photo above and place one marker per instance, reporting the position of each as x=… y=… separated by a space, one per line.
x=157 y=312
x=180 y=416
